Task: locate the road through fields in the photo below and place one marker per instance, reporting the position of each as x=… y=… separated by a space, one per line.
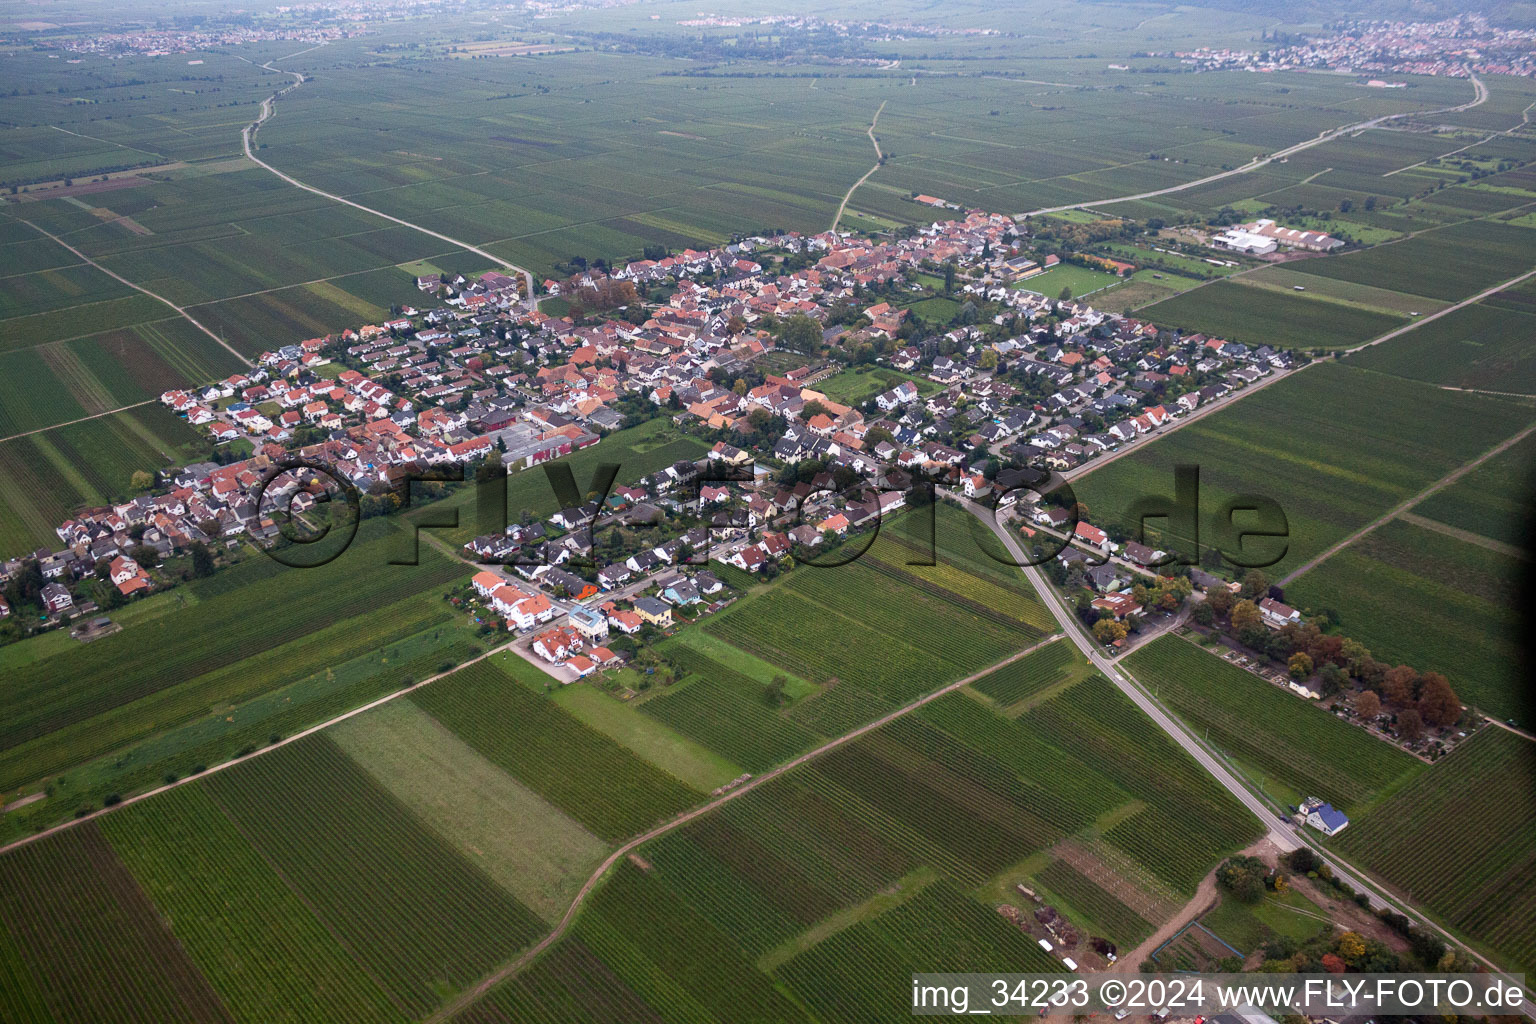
x=1281 y=831
x=269 y=108
x=1480 y=96
x=470 y=995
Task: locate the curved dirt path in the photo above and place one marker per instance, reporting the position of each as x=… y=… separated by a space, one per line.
x=269 y=108
x=879 y=156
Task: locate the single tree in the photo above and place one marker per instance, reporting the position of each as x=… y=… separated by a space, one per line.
x=1299 y=665
x=1410 y=726
x=1368 y=705
x=1108 y=631
x=1398 y=684
x=1438 y=703
x=1255 y=584
x=1220 y=599
x=1245 y=615
x=202 y=560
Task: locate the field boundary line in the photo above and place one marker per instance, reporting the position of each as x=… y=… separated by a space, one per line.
x=1525 y=119
x=879 y=158
x=1221 y=403
x=269 y=109
x=285 y=741
x=1480 y=97
x=1398 y=510
x=140 y=288
x=1467 y=536
x=508 y=970
x=82 y=419
x=1421 y=321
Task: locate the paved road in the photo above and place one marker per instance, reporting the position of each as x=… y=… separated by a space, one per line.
x=1281 y=831
x=1480 y=96
x=269 y=107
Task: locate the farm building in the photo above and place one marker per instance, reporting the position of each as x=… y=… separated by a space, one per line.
x=1242 y=241
x=1324 y=817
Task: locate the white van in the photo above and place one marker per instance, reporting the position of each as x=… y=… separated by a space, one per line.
x=1071 y=964
x=1045 y=945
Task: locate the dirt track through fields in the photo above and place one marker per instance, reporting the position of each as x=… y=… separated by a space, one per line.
x=879 y=156
x=506 y=971
x=1438 y=485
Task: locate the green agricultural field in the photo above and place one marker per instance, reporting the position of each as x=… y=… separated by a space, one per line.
x=237 y=643
x=265 y=952
x=1301 y=747
x=523 y=843
x=1449 y=263
x=1482 y=347
x=1260 y=316
x=46 y=476
x=332 y=671
x=1284 y=442
x=605 y=787
x=727 y=711
x=872 y=853
x=666 y=748
x=1285 y=278
x=1482 y=885
x=1440 y=603
x=925 y=635
x=1094 y=722
x=84 y=942
x=1032 y=676
x=1493 y=501
x=862 y=973
x=418 y=916
x=1144 y=288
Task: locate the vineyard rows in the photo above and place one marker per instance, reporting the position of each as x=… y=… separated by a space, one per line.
x=419 y=918
x=601 y=784
x=819 y=644
x=269 y=957
x=862 y=973
x=1485 y=882
x=88 y=945
x=1269 y=728
x=1028 y=676
x=90 y=699
x=839 y=709
x=727 y=712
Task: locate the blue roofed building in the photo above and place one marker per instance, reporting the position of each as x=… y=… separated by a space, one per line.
x=1324 y=817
